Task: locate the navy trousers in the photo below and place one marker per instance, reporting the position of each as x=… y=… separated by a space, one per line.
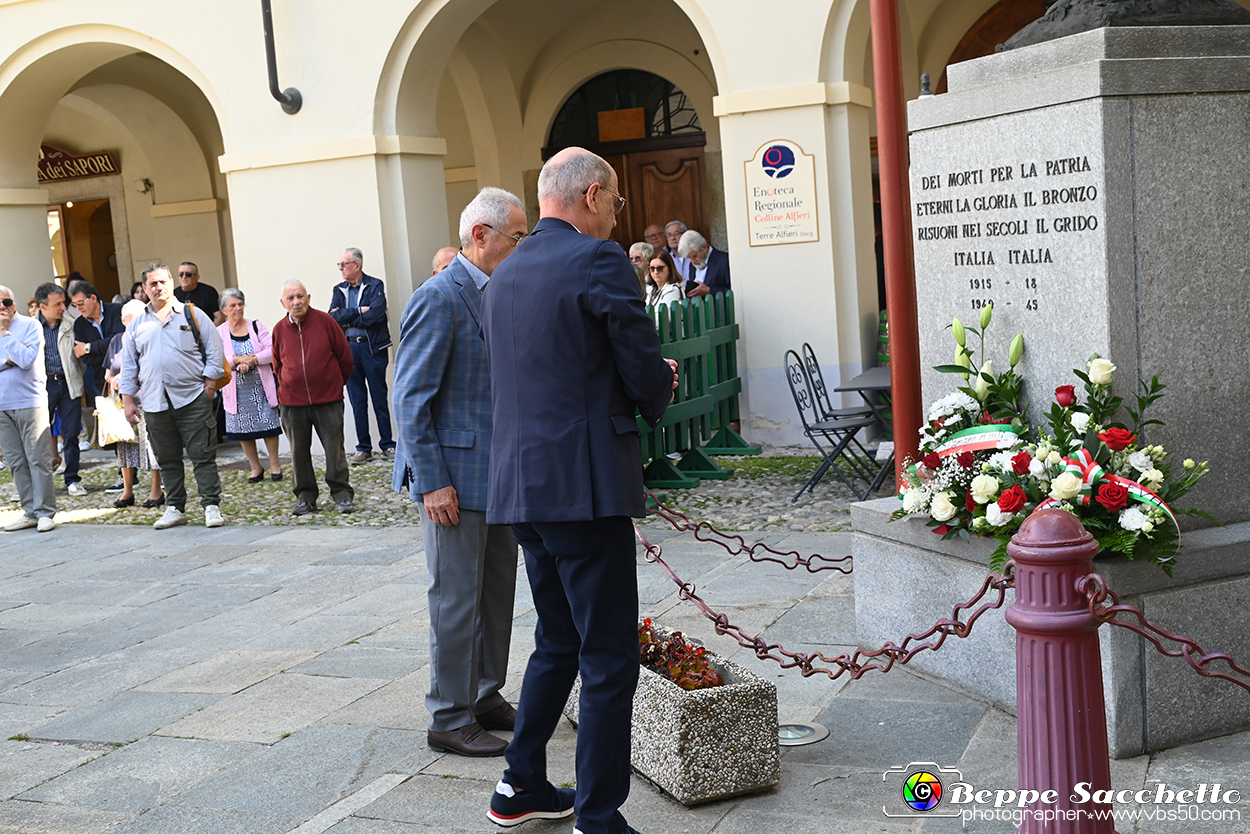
x=585 y=587
x=370 y=368
x=70 y=411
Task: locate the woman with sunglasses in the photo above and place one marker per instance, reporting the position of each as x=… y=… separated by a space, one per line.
x=667 y=283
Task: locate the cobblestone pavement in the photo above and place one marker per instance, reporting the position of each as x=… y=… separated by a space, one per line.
x=757 y=497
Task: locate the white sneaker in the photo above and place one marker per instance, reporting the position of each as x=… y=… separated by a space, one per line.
x=212 y=516
x=76 y=488
x=84 y=445
x=46 y=524
x=173 y=517
x=23 y=522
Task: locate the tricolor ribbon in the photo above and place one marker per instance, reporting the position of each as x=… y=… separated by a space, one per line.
x=1091 y=474
x=974 y=439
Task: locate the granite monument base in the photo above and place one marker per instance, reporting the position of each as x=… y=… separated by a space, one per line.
x=907 y=578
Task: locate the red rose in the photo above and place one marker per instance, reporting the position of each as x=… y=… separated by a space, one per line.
x=970 y=502
x=942 y=529
x=1020 y=464
x=932 y=461
x=1117 y=439
x=1011 y=500
x=1065 y=395
x=1113 y=497
x=965 y=459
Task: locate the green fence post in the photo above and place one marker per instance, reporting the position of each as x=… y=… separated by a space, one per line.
x=727 y=385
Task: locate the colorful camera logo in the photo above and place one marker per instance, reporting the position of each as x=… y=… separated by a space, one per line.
x=922 y=791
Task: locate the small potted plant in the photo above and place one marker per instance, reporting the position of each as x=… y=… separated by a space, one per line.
x=704 y=728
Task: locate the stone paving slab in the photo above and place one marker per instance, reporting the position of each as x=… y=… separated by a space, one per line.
x=229 y=671
x=359 y=661
x=301 y=775
x=123 y=717
x=86 y=683
x=318 y=633
x=400 y=705
x=272 y=709
x=172 y=819
x=143 y=775
x=55 y=617
x=20 y=718
x=22 y=817
x=26 y=764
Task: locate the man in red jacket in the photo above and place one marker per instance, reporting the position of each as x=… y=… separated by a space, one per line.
x=313 y=362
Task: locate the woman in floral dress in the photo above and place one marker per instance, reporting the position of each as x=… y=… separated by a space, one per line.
x=251 y=397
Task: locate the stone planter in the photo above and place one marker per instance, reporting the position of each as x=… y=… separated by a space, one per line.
x=706 y=744
x=906 y=578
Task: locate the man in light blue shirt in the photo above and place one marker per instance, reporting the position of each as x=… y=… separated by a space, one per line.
x=176 y=371
x=25 y=434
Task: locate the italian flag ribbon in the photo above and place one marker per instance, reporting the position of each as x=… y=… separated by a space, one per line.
x=1091 y=474
x=974 y=439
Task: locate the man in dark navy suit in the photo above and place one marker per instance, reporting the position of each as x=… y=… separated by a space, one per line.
x=708 y=266
x=573 y=355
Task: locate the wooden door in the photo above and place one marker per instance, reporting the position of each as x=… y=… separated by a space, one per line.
x=660 y=185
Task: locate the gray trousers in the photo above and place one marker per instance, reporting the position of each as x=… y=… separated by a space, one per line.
x=472 y=585
x=26 y=438
x=193 y=426
x=298 y=423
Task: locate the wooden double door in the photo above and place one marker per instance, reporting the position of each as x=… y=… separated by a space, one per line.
x=659 y=185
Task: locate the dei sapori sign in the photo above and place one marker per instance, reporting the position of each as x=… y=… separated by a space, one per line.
x=781 y=195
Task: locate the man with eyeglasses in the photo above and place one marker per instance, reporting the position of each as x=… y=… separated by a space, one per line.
x=201 y=295
x=358 y=304
x=25 y=434
x=442 y=408
x=573 y=356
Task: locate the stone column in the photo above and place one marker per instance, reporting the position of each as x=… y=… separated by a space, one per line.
x=24 y=240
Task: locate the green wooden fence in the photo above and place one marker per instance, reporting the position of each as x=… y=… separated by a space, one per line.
x=701 y=335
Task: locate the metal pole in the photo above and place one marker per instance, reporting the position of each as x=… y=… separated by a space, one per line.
x=1061 y=729
x=900 y=270
x=290 y=98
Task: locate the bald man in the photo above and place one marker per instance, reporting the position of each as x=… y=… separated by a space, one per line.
x=443 y=258
x=312 y=361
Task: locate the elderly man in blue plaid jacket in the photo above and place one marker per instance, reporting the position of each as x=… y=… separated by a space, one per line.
x=443 y=412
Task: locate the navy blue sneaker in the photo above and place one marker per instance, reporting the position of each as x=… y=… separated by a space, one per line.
x=509 y=808
x=628 y=830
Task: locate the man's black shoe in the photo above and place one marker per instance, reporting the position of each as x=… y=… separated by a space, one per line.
x=502 y=717
x=304 y=508
x=550 y=804
x=469 y=740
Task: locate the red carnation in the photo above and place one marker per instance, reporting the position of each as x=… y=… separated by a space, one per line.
x=1112 y=496
x=1065 y=395
x=932 y=461
x=965 y=459
x=1117 y=439
x=1011 y=500
x=1020 y=464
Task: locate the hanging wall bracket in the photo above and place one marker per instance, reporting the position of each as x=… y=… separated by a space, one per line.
x=290 y=99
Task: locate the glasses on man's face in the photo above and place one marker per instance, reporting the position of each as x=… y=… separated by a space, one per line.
x=616 y=206
x=6 y=302
x=345 y=264
x=187 y=274
x=515 y=238
x=80 y=303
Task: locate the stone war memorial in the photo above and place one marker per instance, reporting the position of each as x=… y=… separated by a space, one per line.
x=1092 y=188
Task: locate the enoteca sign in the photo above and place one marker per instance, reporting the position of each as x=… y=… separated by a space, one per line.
x=56 y=165
x=781 y=195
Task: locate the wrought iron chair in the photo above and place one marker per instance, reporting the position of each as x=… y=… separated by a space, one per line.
x=821 y=393
x=831 y=437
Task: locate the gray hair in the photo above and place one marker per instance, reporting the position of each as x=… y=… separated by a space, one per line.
x=675 y=223
x=292 y=283
x=227 y=294
x=491 y=207
x=565 y=181
x=133 y=307
x=646 y=249
x=6 y=291
x=689 y=242
x=356 y=255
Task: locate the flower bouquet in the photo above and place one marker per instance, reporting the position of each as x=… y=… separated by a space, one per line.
x=983 y=468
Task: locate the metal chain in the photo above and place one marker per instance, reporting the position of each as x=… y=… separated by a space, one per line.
x=1095 y=589
x=806 y=662
x=705 y=532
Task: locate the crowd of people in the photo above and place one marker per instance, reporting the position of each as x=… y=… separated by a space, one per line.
x=520 y=366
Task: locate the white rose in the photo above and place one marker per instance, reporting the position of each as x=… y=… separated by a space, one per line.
x=1053 y=458
x=1065 y=486
x=1133 y=519
x=1151 y=478
x=914 y=500
x=1079 y=421
x=1100 y=371
x=941 y=507
x=1140 y=461
x=1036 y=467
x=984 y=488
x=995 y=516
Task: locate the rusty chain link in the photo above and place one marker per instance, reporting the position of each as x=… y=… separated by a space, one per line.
x=1096 y=592
x=806 y=662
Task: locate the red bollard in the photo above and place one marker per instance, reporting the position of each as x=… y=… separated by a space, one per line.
x=1061 y=714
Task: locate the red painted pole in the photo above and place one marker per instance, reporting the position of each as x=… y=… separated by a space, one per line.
x=1061 y=714
x=900 y=268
